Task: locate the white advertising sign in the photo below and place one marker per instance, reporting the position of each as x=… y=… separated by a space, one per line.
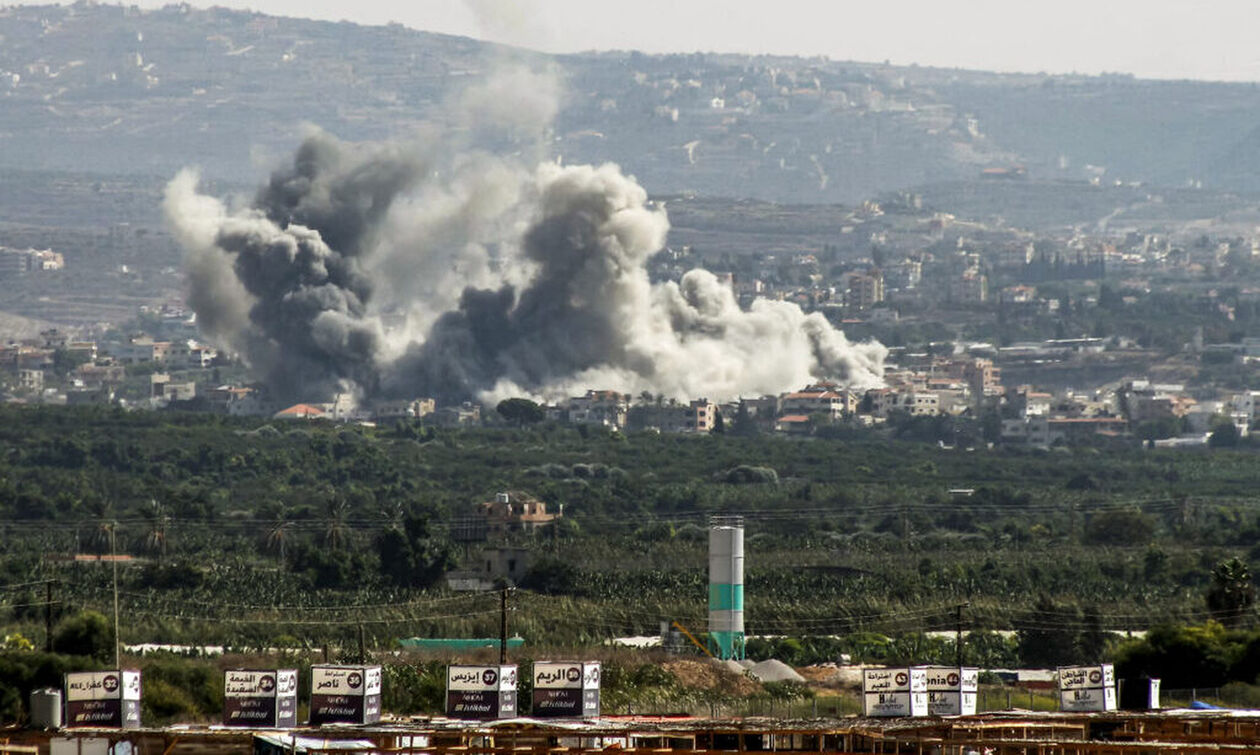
x=248 y=683
x=355 y=681
x=103 y=685
x=952 y=679
x=895 y=703
x=558 y=675
x=1082 y=700
x=481 y=678
x=1087 y=677
x=951 y=703
x=894 y=680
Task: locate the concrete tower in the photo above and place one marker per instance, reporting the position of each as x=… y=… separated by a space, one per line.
x=726 y=587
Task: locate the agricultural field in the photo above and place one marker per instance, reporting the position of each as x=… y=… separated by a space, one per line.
x=251 y=533
x=316 y=541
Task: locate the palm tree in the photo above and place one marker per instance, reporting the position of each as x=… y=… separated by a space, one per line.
x=1232 y=591
x=279 y=532
x=336 y=528
x=392 y=512
x=156 y=521
x=102 y=510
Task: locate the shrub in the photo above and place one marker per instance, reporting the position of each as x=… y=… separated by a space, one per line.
x=86 y=633
x=744 y=474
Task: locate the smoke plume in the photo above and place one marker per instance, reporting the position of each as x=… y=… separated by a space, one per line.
x=430 y=268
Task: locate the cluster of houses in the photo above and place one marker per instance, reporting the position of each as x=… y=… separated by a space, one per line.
x=959 y=384
x=910 y=260
x=58 y=369
x=19 y=262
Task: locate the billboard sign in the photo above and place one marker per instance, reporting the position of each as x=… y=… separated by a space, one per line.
x=1087 y=688
x=894 y=692
x=952 y=690
x=262 y=699
x=345 y=694
x=566 y=689
x=481 y=692
x=103 y=698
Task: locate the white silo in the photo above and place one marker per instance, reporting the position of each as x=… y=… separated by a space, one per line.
x=726 y=586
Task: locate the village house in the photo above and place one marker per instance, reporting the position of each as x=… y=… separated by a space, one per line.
x=509 y=513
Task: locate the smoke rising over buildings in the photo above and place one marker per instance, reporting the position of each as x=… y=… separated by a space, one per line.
x=497 y=278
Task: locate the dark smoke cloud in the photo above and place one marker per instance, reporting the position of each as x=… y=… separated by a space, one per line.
x=498 y=281
x=294 y=267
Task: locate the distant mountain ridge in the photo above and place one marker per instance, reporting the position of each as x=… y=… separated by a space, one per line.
x=101 y=88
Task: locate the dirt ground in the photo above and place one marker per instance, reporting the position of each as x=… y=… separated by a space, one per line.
x=705 y=675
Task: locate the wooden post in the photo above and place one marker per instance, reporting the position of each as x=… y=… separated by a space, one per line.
x=48 y=616
x=503 y=625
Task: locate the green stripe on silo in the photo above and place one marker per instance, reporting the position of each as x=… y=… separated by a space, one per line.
x=726 y=597
x=726 y=645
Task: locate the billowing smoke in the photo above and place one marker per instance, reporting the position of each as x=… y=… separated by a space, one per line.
x=590 y=317
x=281 y=282
x=428 y=268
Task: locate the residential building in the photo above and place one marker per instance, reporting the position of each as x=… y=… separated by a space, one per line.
x=907 y=274
x=31 y=380
x=491 y=567
x=141 y=349
x=102 y=372
x=1145 y=401
x=1044 y=431
x=18 y=262
x=189 y=353
x=604 y=408
x=794 y=424
x=971 y=287
x=227 y=398
x=1027 y=402
x=983 y=378
x=415 y=408
x=464 y=415
x=822 y=398
x=700 y=416
x=510 y=512
x=865 y=290
x=180 y=391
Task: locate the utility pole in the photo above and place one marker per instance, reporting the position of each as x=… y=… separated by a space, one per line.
x=48 y=616
x=958 y=637
x=503 y=625
x=113 y=557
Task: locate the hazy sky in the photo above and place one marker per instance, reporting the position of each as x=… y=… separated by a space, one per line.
x=1204 y=39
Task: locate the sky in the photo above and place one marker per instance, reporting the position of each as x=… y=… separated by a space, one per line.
x=1167 y=39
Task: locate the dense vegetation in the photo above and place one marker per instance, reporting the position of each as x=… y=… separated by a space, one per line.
x=260 y=534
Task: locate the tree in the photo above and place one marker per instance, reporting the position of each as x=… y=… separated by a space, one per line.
x=1119 y=527
x=101 y=537
x=414 y=555
x=1182 y=656
x=279 y=533
x=1232 y=592
x=86 y=633
x=719 y=424
x=336 y=528
x=520 y=411
x=744 y=425
x=1047 y=636
x=156 y=521
x=1225 y=435
x=552 y=576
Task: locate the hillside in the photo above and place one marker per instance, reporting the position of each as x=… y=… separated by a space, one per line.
x=107 y=89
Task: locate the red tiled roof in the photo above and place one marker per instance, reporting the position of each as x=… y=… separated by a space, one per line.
x=301 y=410
x=794 y=418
